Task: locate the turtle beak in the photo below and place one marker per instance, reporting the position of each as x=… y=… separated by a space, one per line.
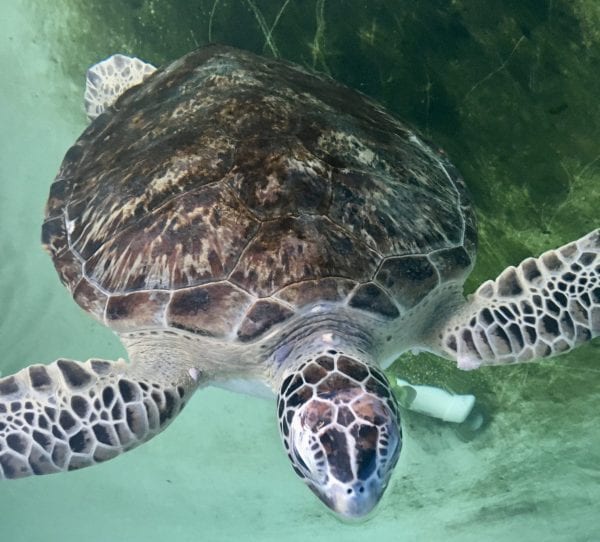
x=353 y=503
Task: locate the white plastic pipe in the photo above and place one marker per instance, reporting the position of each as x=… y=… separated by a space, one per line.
x=439 y=403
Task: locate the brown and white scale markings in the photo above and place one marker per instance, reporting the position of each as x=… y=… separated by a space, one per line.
x=233 y=181
x=238 y=220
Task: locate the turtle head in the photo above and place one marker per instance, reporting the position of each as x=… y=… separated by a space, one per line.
x=340 y=426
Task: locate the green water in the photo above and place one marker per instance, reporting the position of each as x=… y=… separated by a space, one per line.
x=510 y=91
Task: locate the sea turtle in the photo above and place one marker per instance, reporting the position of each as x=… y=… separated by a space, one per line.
x=243 y=222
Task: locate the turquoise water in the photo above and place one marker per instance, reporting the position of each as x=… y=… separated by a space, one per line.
x=509 y=91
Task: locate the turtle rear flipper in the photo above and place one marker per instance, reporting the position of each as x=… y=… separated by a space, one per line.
x=107 y=80
x=69 y=415
x=544 y=307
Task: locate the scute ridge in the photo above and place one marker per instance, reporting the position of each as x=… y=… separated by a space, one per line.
x=227 y=167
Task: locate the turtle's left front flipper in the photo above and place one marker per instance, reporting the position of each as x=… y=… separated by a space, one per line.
x=108 y=80
x=544 y=307
x=68 y=415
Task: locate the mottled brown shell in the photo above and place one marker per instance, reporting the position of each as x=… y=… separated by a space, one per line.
x=229 y=190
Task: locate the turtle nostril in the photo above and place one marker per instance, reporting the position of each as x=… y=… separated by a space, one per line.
x=350 y=491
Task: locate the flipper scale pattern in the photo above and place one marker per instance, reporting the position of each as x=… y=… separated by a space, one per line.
x=542 y=308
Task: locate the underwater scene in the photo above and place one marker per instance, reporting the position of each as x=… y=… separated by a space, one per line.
x=507 y=91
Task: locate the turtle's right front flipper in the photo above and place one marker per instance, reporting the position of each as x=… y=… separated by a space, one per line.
x=69 y=415
x=544 y=307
